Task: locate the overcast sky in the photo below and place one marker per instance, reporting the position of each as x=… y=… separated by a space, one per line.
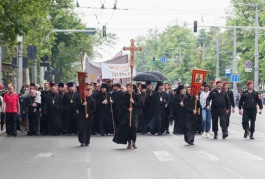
x=145 y=14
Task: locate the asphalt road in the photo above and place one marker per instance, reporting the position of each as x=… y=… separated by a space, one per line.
x=157 y=157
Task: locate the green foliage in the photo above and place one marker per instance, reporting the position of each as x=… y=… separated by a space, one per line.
x=35 y=20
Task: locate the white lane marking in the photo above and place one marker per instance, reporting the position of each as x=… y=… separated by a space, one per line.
x=44 y=155
x=233 y=173
x=88 y=173
x=207 y=156
x=255 y=157
x=163 y=156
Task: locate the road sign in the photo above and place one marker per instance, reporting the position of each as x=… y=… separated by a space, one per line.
x=163 y=59
x=248 y=64
x=234 y=78
x=248 y=69
x=227 y=72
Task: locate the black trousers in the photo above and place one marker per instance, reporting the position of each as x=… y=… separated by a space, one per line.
x=228 y=117
x=11 y=123
x=249 y=115
x=33 y=125
x=219 y=113
x=3 y=119
x=44 y=125
x=132 y=133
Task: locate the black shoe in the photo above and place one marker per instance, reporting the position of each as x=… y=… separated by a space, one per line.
x=82 y=145
x=246 y=134
x=251 y=136
x=86 y=145
x=215 y=136
x=225 y=136
x=159 y=133
x=190 y=143
x=167 y=132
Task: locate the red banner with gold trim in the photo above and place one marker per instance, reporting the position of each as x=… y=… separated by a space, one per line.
x=198 y=77
x=82 y=84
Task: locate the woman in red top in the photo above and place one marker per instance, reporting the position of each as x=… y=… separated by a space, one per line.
x=11 y=108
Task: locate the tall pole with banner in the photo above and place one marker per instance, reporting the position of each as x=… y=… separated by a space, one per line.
x=197 y=79
x=132 y=49
x=82 y=83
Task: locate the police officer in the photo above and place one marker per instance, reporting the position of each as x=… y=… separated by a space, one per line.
x=249 y=100
x=231 y=101
x=220 y=106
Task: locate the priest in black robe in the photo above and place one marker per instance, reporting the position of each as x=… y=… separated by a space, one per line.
x=103 y=101
x=179 y=110
x=126 y=134
x=70 y=102
x=43 y=119
x=61 y=89
x=32 y=106
x=86 y=111
x=191 y=114
x=117 y=95
x=144 y=112
x=159 y=103
x=54 y=111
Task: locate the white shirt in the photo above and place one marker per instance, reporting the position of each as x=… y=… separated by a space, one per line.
x=203 y=98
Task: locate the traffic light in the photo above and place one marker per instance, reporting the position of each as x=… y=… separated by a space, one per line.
x=104 y=31
x=195 y=26
x=154 y=60
x=32 y=52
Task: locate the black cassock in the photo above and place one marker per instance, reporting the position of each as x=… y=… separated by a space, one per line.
x=33 y=114
x=85 y=124
x=124 y=132
x=190 y=118
x=178 y=114
x=43 y=119
x=158 y=102
x=117 y=97
x=104 y=113
x=54 y=113
x=144 y=112
x=70 y=101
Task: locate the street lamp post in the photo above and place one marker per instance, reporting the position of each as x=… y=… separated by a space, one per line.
x=256 y=66
x=217 y=57
x=234 y=61
x=20 y=63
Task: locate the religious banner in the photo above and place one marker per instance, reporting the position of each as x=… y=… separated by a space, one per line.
x=112 y=71
x=82 y=84
x=198 y=77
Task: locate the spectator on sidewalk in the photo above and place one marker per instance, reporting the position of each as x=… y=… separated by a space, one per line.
x=11 y=108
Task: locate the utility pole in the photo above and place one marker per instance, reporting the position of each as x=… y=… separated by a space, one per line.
x=217 y=56
x=256 y=66
x=20 y=63
x=234 y=61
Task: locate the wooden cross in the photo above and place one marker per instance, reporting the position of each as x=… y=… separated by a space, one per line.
x=132 y=49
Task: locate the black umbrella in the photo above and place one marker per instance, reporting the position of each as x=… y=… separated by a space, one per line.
x=146 y=77
x=158 y=74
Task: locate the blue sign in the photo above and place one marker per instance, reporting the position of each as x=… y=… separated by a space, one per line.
x=234 y=78
x=227 y=72
x=163 y=59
